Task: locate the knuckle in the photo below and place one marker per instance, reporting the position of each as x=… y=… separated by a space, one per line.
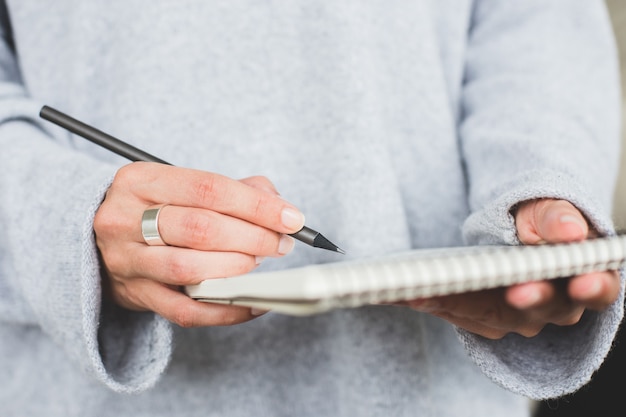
x=260 y=205
x=101 y=220
x=124 y=174
x=494 y=334
x=530 y=330
x=179 y=270
x=127 y=174
x=105 y=220
x=569 y=319
x=110 y=222
x=197 y=229
x=265 y=243
x=206 y=189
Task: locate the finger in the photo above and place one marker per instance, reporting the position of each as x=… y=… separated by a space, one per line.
x=473 y=326
x=207 y=230
x=489 y=310
x=530 y=294
x=551 y=221
x=158 y=183
x=596 y=291
x=486 y=307
x=560 y=221
x=481 y=314
x=184 y=311
x=177 y=266
x=261 y=183
x=545 y=302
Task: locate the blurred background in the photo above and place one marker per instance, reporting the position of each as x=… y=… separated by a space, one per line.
x=602 y=397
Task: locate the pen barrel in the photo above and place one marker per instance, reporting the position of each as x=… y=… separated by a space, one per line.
x=97 y=136
x=306 y=235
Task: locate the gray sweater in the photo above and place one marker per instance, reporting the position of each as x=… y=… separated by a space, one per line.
x=391 y=124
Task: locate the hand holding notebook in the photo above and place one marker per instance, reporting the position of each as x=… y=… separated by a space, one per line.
x=457 y=274
x=526 y=308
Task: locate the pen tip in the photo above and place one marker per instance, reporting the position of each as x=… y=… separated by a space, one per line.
x=323 y=243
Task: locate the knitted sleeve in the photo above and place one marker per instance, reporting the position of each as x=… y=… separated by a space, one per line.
x=541 y=119
x=49 y=269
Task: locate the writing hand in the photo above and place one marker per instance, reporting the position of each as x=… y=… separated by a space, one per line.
x=214 y=226
x=527 y=308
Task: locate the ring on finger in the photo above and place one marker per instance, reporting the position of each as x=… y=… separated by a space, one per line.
x=150 y=225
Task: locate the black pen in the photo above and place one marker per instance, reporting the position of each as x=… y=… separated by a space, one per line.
x=306 y=234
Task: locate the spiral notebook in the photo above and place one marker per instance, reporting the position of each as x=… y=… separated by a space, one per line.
x=409 y=275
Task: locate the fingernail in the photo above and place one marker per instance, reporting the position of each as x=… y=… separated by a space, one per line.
x=259 y=259
x=568 y=218
x=292 y=218
x=257 y=311
x=530 y=297
x=286 y=244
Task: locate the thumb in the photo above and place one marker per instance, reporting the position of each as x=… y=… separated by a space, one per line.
x=550 y=221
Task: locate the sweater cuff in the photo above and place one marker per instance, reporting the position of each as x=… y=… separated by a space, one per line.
x=128 y=350
x=560 y=359
x=493 y=223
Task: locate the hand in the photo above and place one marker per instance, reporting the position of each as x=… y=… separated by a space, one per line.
x=214 y=226
x=527 y=308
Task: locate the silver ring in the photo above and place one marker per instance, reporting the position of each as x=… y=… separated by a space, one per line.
x=150 y=226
